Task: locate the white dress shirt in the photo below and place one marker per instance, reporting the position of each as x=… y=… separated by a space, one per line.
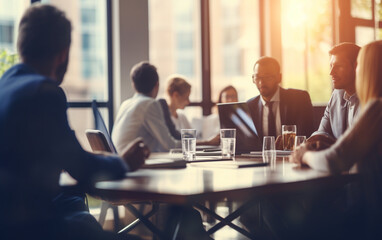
x=142 y=116
x=181 y=122
x=276 y=112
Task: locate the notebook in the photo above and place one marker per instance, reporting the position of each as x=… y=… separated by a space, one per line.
x=237 y=115
x=230 y=164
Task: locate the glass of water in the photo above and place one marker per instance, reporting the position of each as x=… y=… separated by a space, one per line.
x=269 y=149
x=299 y=140
x=188 y=143
x=228 y=142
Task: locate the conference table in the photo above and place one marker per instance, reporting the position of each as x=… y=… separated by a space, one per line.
x=214 y=181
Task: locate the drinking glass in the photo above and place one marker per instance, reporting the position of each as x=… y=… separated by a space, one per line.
x=188 y=143
x=269 y=149
x=298 y=141
x=228 y=141
x=289 y=134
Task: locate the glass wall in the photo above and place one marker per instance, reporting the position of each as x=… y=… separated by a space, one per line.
x=306 y=40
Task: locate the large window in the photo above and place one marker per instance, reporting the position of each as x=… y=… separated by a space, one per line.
x=87 y=75
x=86 y=78
x=306 y=40
x=174 y=31
x=366 y=15
x=10 y=13
x=235 y=45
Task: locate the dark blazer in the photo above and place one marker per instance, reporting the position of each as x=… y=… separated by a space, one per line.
x=36 y=144
x=167 y=117
x=295 y=109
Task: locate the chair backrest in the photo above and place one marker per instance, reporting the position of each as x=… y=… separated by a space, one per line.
x=101 y=126
x=97 y=141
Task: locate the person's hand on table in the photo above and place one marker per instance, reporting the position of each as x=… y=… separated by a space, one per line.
x=135 y=154
x=320 y=142
x=298 y=154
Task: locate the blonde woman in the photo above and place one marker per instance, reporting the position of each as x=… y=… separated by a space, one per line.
x=361 y=145
x=178 y=90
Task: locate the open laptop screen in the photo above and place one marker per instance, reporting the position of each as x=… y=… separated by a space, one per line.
x=237 y=115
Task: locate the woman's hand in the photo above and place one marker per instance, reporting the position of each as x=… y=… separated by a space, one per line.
x=298 y=154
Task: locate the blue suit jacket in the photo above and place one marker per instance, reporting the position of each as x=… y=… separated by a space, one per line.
x=36 y=144
x=295 y=109
x=333 y=123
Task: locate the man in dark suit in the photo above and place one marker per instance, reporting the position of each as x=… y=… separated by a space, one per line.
x=37 y=143
x=276 y=106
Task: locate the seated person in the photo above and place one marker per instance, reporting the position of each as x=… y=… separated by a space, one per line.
x=343 y=106
x=276 y=106
x=228 y=95
x=142 y=115
x=178 y=90
x=37 y=143
x=360 y=145
x=211 y=124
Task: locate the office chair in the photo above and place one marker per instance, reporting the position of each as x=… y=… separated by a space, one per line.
x=101 y=141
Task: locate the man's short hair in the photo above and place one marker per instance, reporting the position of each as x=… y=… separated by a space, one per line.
x=268 y=61
x=350 y=51
x=144 y=76
x=44 y=31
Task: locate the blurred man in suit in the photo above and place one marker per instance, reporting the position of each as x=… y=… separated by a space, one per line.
x=37 y=143
x=343 y=105
x=276 y=106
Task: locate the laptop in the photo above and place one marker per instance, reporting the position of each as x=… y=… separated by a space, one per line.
x=237 y=115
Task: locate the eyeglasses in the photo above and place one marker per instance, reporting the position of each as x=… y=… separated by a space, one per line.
x=257 y=79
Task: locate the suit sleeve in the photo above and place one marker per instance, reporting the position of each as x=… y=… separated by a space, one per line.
x=62 y=146
x=306 y=120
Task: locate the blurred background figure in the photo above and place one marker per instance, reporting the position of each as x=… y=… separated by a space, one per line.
x=178 y=90
x=228 y=94
x=210 y=125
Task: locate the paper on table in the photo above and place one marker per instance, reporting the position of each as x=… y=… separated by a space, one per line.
x=229 y=164
x=164 y=163
x=260 y=153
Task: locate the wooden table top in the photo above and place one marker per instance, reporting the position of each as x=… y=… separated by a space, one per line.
x=199 y=183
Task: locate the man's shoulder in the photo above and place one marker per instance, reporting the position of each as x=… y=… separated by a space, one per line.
x=338 y=93
x=253 y=100
x=19 y=81
x=294 y=91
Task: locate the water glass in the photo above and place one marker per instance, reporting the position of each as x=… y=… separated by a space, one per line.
x=269 y=149
x=289 y=134
x=298 y=141
x=188 y=143
x=228 y=142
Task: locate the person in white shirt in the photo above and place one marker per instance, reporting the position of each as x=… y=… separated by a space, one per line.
x=142 y=115
x=178 y=91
